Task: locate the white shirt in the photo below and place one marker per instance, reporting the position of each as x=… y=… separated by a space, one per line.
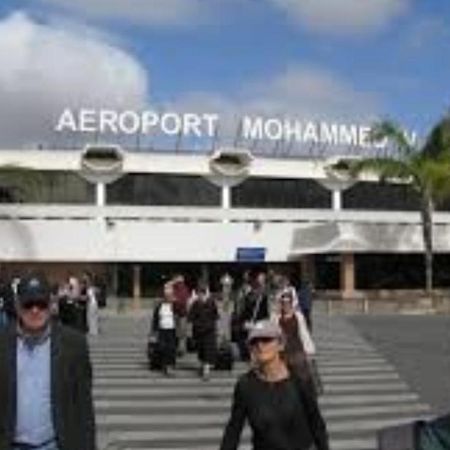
x=166 y=317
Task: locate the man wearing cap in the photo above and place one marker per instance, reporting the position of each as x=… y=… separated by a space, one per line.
x=45 y=378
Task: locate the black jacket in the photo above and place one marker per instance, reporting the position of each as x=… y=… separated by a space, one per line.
x=282 y=416
x=203 y=315
x=71 y=396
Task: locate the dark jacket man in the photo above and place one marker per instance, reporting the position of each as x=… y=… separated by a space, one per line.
x=70 y=377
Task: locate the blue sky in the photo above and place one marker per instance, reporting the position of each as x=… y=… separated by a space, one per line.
x=354 y=60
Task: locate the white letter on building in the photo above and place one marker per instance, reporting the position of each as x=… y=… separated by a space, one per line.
x=129 y=122
x=108 y=119
x=66 y=120
x=292 y=130
x=381 y=144
x=191 y=124
x=176 y=127
x=87 y=119
x=273 y=129
x=364 y=137
x=411 y=137
x=252 y=128
x=310 y=133
x=348 y=135
x=211 y=122
x=329 y=133
x=149 y=120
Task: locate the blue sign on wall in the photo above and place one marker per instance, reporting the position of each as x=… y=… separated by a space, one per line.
x=251 y=254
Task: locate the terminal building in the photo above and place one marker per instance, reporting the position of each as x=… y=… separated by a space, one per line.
x=136 y=217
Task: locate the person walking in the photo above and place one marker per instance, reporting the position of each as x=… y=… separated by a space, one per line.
x=182 y=294
x=45 y=378
x=92 y=308
x=282 y=413
x=299 y=346
x=203 y=315
x=305 y=302
x=255 y=308
x=6 y=303
x=164 y=330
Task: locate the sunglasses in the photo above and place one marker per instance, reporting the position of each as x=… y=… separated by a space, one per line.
x=39 y=304
x=263 y=340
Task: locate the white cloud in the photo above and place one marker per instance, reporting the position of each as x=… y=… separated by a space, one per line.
x=343 y=16
x=154 y=12
x=300 y=92
x=44 y=69
x=426 y=30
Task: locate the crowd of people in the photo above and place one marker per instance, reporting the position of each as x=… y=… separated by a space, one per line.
x=260 y=321
x=75 y=302
x=46 y=364
x=270 y=327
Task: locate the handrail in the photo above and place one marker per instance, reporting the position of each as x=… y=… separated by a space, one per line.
x=210 y=214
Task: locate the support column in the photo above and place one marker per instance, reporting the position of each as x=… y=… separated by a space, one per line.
x=100 y=194
x=347 y=275
x=337 y=200
x=226 y=197
x=308 y=269
x=137 y=271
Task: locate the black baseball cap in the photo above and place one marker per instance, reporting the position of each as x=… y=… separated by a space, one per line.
x=33 y=288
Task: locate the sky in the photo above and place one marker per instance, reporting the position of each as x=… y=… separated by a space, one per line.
x=335 y=60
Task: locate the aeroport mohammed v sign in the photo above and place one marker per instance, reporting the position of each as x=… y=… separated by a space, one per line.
x=148 y=122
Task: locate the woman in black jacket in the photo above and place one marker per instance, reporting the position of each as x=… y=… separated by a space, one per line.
x=203 y=315
x=282 y=413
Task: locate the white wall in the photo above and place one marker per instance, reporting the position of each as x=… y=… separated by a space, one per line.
x=41 y=240
x=82 y=234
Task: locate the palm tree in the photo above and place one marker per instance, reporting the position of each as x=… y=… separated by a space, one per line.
x=426 y=168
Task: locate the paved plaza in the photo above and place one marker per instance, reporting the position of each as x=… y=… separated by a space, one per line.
x=377 y=371
x=418 y=347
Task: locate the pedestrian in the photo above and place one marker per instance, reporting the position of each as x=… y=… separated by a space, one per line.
x=182 y=295
x=305 y=302
x=92 y=309
x=203 y=315
x=45 y=378
x=164 y=329
x=282 y=413
x=299 y=346
x=6 y=303
x=255 y=308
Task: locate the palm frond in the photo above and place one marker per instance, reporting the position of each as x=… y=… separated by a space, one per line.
x=394 y=134
x=385 y=168
x=435 y=173
x=438 y=140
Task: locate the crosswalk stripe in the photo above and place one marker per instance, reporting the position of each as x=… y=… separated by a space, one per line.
x=138 y=409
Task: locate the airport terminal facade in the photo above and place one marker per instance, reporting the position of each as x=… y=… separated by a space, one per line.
x=135 y=217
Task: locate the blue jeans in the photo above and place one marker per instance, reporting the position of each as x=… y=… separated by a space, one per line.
x=49 y=446
x=3 y=319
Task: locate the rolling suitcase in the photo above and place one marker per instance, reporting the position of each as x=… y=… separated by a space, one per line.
x=224 y=357
x=154 y=355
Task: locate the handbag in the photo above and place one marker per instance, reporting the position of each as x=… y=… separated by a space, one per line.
x=317 y=381
x=399 y=437
x=434 y=434
x=250 y=324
